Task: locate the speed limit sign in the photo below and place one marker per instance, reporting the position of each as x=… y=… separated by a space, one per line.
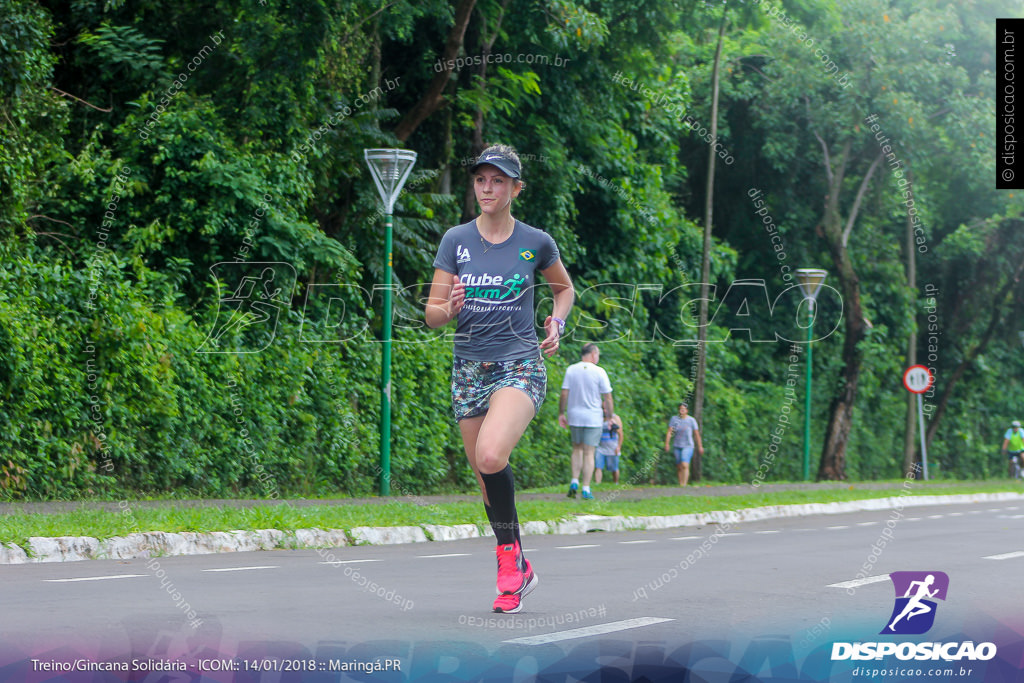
x=917 y=379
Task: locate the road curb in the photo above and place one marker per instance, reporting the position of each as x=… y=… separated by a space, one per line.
x=165 y=544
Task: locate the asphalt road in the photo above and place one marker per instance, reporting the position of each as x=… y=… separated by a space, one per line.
x=427 y=606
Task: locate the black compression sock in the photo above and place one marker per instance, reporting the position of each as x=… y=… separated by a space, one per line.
x=522 y=555
x=501 y=492
x=490 y=518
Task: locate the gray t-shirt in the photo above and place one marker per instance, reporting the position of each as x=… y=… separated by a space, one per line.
x=497 y=321
x=684 y=428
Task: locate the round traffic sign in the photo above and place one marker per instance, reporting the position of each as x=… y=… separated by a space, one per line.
x=918 y=379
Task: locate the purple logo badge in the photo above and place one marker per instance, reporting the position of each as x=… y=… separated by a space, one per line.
x=916 y=592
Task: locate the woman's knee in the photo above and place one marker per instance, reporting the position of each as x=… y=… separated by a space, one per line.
x=491 y=458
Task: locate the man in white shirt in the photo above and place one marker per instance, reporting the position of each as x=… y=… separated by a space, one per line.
x=585 y=405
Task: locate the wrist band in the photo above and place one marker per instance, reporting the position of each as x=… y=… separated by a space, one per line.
x=561 y=324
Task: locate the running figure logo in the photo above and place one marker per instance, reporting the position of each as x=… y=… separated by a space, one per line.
x=514 y=285
x=256 y=295
x=914 y=612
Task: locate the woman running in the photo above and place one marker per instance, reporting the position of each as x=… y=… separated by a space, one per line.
x=485 y=275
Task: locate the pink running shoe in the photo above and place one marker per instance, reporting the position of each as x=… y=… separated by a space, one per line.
x=529 y=579
x=512 y=579
x=510 y=576
x=508 y=604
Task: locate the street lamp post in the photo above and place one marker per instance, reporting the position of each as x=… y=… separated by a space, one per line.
x=390 y=168
x=810 y=280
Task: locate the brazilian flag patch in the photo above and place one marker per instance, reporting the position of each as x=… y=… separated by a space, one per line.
x=526 y=255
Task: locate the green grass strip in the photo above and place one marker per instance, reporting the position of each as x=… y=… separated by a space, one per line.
x=173 y=517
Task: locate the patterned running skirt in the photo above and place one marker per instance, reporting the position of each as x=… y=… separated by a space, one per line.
x=474 y=381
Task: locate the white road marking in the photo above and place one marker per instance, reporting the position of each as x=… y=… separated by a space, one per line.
x=596 y=630
x=866 y=523
x=911 y=519
x=95 y=578
x=1005 y=556
x=347 y=561
x=241 y=569
x=447 y=555
x=956 y=514
x=683 y=538
x=1010 y=516
x=646 y=540
x=769 y=531
x=573 y=547
x=841 y=526
x=859 y=582
x=935 y=516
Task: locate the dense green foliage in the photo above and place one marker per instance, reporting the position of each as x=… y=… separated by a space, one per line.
x=142 y=144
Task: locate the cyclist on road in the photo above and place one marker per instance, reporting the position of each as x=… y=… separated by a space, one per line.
x=1013 y=445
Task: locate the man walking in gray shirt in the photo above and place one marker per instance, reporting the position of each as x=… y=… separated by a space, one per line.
x=585 y=405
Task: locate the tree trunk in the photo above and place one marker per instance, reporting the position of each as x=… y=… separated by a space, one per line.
x=445 y=184
x=705 y=269
x=433 y=98
x=833 y=453
x=375 y=55
x=469 y=199
x=837 y=432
